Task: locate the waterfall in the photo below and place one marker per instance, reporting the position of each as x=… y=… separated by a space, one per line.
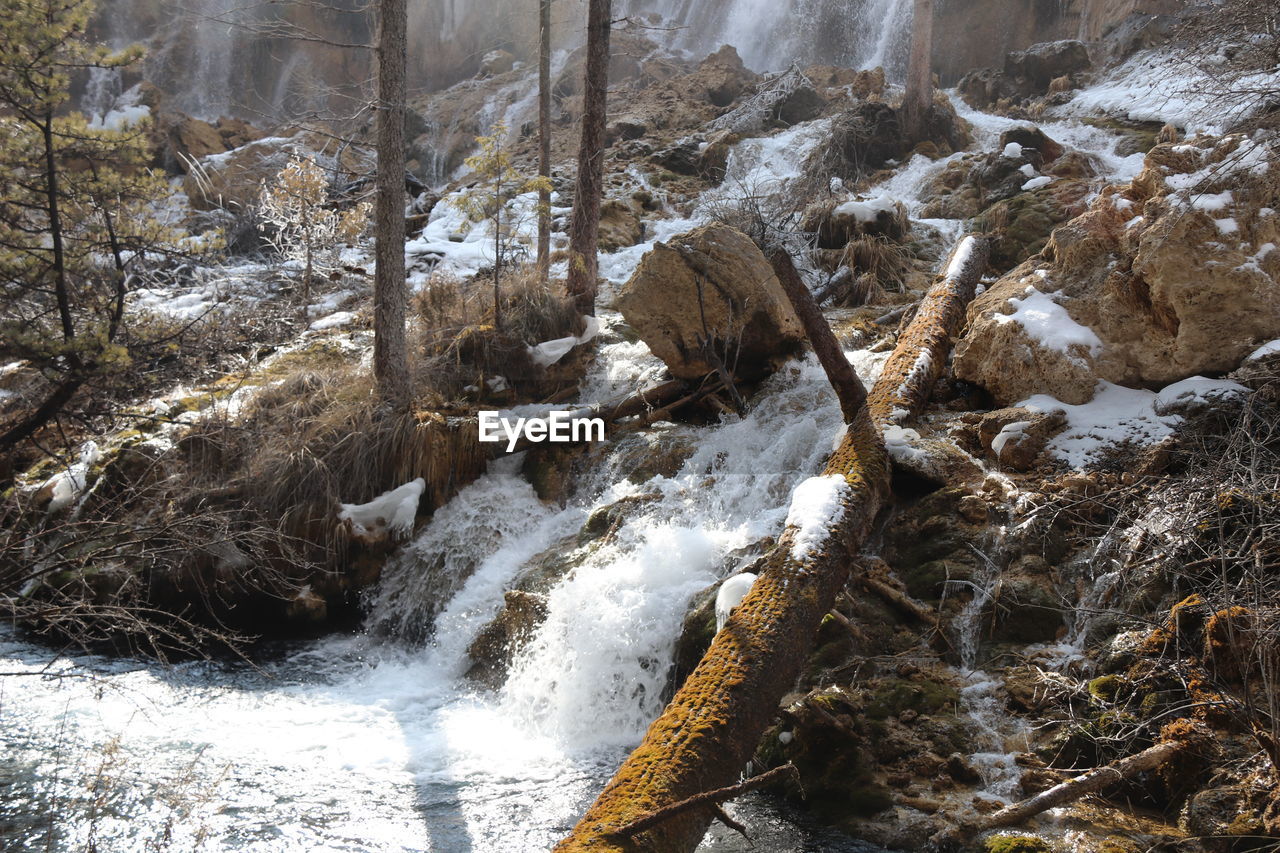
x=770 y=35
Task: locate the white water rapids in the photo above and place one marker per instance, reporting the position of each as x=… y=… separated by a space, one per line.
x=355 y=744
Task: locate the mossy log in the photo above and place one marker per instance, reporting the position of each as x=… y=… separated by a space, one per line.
x=711 y=727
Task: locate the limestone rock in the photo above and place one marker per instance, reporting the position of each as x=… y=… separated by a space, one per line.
x=233 y=179
x=498 y=642
x=1015 y=437
x=1170 y=276
x=496 y=62
x=1040 y=64
x=711 y=289
x=620 y=226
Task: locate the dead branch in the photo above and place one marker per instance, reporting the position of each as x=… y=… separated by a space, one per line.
x=708 y=799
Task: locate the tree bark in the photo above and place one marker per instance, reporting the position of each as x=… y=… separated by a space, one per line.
x=584 y=227
x=712 y=725
x=852 y=395
x=544 y=140
x=922 y=350
x=390 y=351
x=918 y=100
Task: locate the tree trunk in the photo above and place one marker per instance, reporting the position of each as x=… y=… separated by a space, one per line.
x=712 y=725
x=918 y=100
x=390 y=351
x=544 y=141
x=584 y=228
x=848 y=388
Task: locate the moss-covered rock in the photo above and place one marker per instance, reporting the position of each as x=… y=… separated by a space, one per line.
x=1016 y=844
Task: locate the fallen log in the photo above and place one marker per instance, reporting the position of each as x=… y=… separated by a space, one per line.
x=707 y=799
x=1073 y=789
x=921 y=353
x=710 y=729
x=830 y=354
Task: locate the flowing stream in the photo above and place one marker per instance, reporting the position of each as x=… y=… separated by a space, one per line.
x=360 y=743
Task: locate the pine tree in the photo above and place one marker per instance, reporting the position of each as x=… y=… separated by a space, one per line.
x=306 y=228
x=490 y=201
x=76 y=209
x=390 y=296
x=584 y=227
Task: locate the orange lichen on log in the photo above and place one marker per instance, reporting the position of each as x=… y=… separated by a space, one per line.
x=711 y=727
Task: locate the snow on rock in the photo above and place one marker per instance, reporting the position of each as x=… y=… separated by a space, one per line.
x=1196 y=394
x=900 y=442
x=65 y=486
x=332 y=321
x=1037 y=183
x=548 y=353
x=730 y=595
x=1114 y=415
x=1049 y=325
x=867 y=210
x=1013 y=151
x=1269 y=348
x=393 y=511
x=1158 y=86
x=816 y=505
x=1169 y=276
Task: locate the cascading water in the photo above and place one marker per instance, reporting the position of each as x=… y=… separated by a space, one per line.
x=360 y=744
x=770 y=35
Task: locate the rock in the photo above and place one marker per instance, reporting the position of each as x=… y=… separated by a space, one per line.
x=1015 y=437
x=710 y=294
x=1028 y=607
x=803 y=104
x=1035 y=140
x=859 y=85
x=714 y=157
x=307 y=607
x=1166 y=278
x=723 y=78
x=1041 y=63
x=496 y=62
x=682 y=157
x=498 y=642
x=234 y=179
x=837 y=223
x=620 y=226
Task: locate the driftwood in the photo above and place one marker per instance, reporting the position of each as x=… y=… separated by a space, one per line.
x=754 y=113
x=830 y=354
x=712 y=725
x=708 y=799
x=838 y=285
x=1069 y=791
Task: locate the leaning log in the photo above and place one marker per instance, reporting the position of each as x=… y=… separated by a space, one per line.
x=1176 y=738
x=710 y=729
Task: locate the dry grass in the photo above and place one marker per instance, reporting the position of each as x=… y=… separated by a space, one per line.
x=458 y=345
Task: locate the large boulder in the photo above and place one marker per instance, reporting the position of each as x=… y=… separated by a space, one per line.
x=1171 y=276
x=1041 y=64
x=710 y=294
x=233 y=179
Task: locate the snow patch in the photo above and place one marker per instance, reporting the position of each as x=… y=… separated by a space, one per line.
x=1114 y=415
x=816 y=505
x=1048 y=323
x=1198 y=392
x=394 y=510
x=1269 y=348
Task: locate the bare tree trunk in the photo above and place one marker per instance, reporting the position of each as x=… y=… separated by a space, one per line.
x=918 y=99
x=390 y=351
x=584 y=228
x=544 y=141
x=712 y=725
x=850 y=391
